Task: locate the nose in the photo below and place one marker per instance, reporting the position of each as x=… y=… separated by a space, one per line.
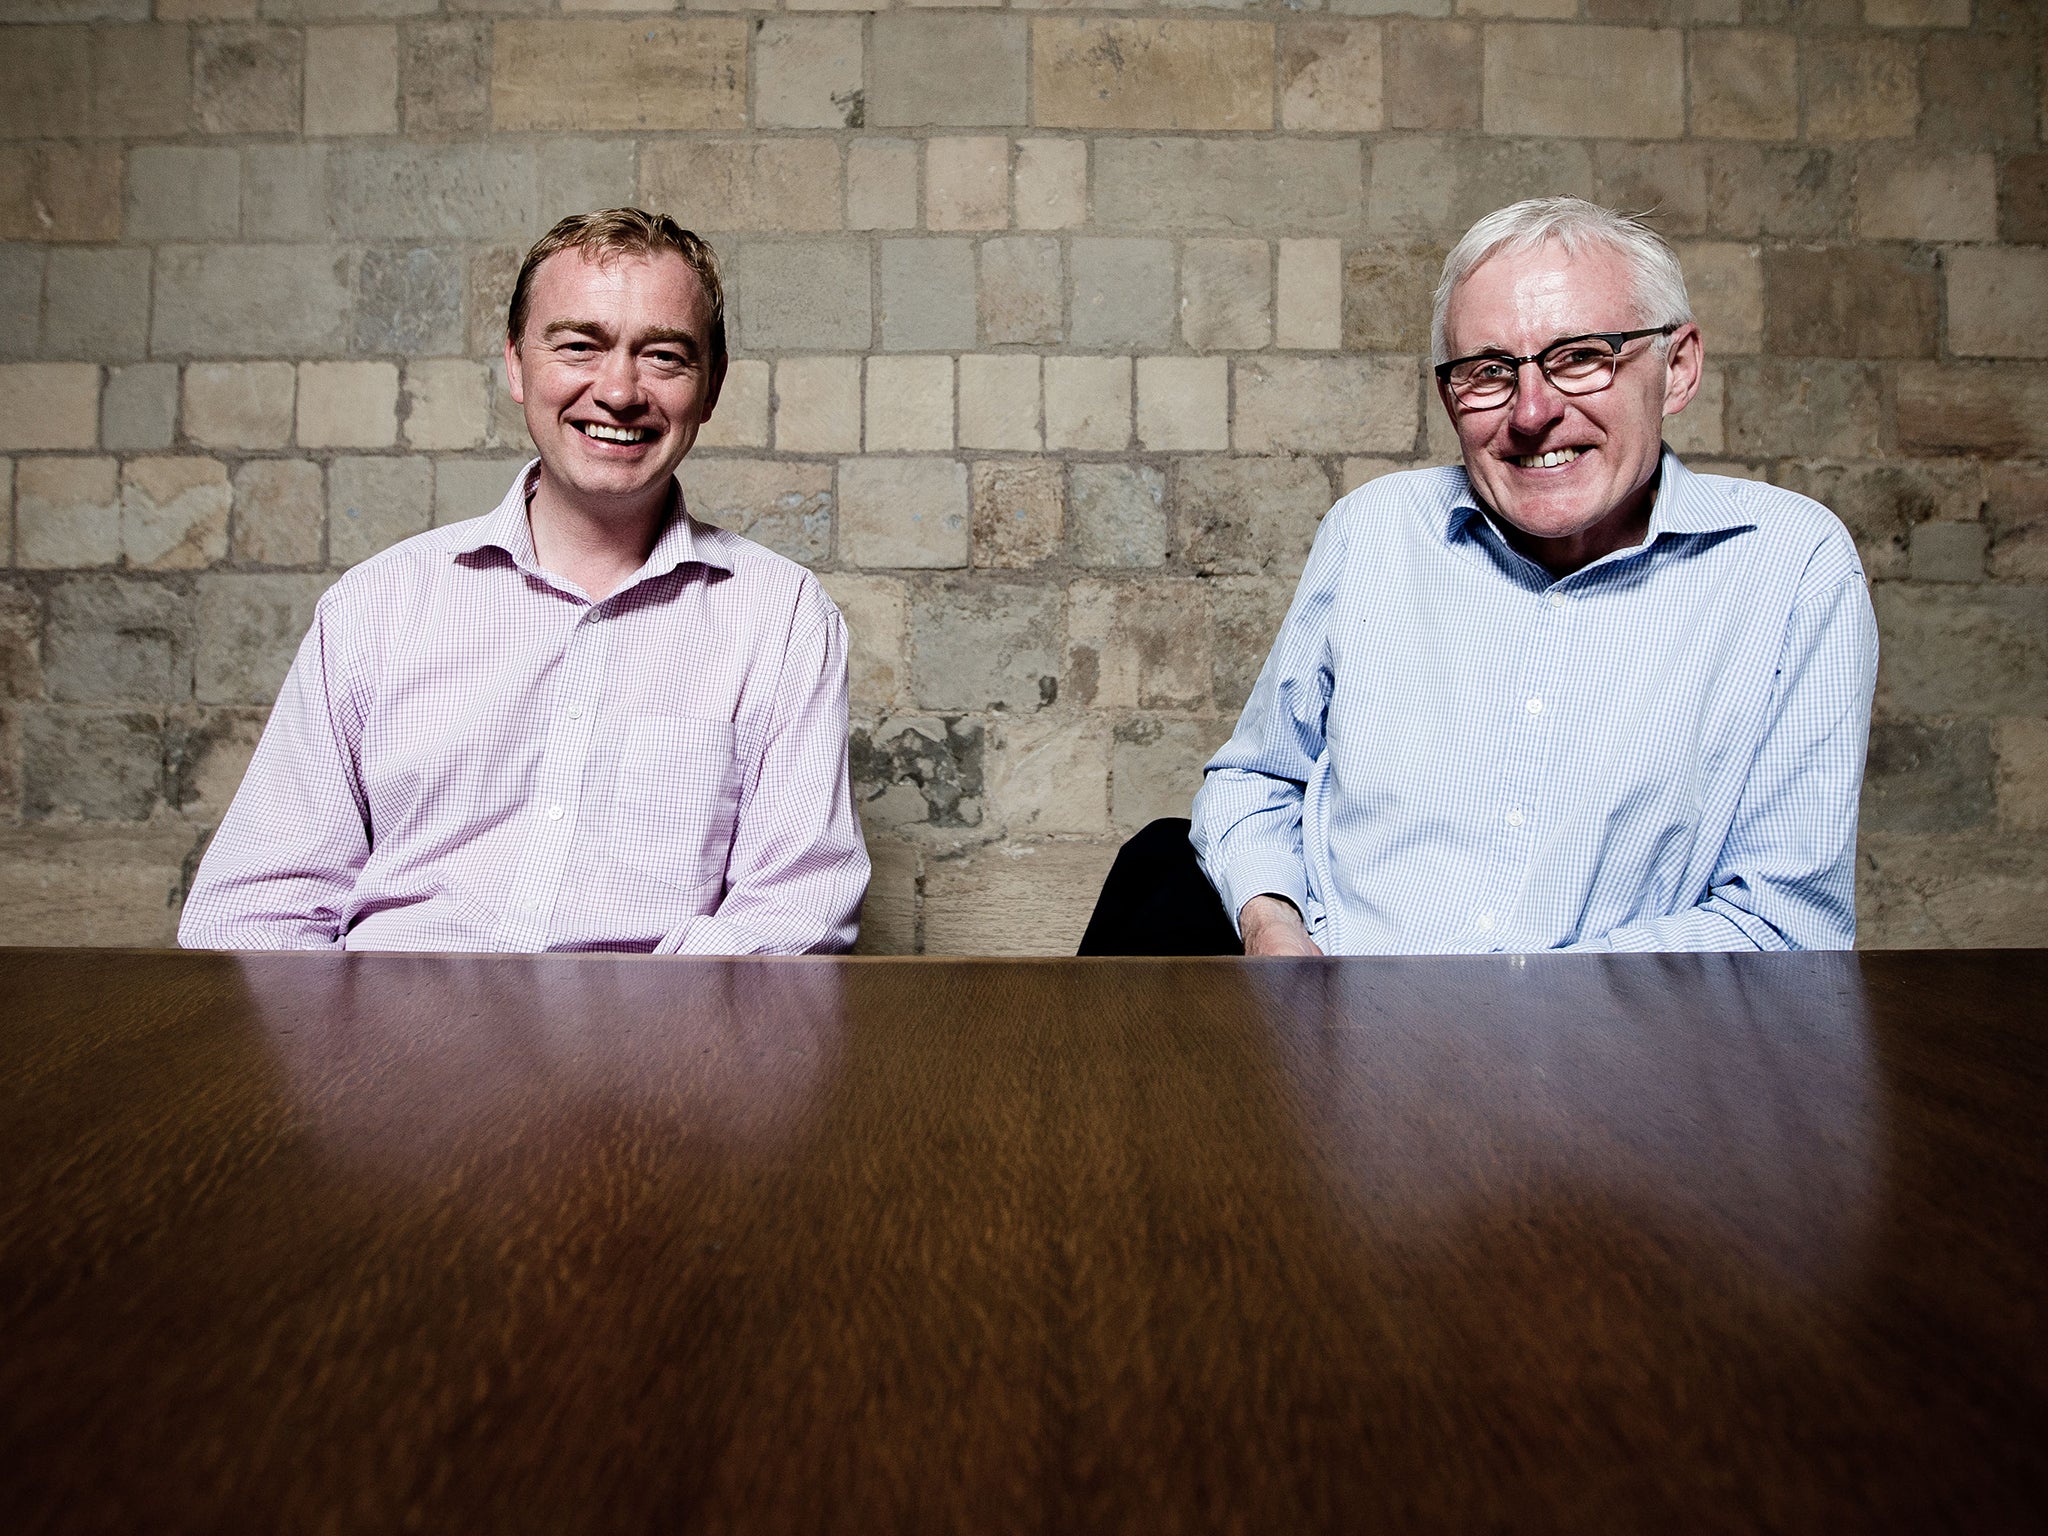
x=618 y=381
x=1538 y=402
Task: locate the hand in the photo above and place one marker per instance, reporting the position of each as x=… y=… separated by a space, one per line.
x=1271 y=925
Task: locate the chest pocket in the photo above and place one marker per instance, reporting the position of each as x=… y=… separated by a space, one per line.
x=675 y=798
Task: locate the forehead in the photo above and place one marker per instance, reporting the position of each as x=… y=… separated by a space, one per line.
x=659 y=289
x=1527 y=298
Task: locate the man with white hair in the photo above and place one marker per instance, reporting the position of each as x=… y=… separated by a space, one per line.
x=1568 y=695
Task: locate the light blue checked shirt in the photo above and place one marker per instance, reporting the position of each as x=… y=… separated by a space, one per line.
x=1448 y=752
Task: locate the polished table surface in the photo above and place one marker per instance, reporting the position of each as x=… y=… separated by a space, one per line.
x=563 y=1244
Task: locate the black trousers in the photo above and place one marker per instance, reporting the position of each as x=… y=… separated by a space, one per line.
x=1157 y=901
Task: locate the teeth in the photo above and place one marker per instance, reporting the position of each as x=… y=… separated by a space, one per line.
x=1548 y=460
x=606 y=434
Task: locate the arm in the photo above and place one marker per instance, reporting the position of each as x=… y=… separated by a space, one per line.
x=798 y=868
x=1787 y=874
x=280 y=869
x=1247 y=816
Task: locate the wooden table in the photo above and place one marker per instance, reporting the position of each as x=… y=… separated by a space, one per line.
x=561 y=1244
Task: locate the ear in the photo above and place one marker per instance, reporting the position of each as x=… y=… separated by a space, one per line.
x=1685 y=360
x=512 y=374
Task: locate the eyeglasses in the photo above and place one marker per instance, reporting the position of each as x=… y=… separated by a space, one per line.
x=1577 y=365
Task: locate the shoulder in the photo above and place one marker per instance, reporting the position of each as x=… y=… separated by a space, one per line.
x=762 y=580
x=397 y=577
x=1794 y=530
x=1387 y=500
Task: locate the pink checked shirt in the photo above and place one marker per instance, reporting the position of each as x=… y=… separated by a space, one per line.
x=469 y=754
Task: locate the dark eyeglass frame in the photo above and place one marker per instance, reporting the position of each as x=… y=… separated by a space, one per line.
x=1615 y=339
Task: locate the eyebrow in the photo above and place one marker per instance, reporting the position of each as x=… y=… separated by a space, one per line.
x=655 y=335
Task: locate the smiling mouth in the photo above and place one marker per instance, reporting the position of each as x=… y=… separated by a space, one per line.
x=604 y=434
x=1550 y=460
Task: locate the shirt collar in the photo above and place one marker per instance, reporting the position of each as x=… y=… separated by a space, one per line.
x=1686 y=504
x=683 y=541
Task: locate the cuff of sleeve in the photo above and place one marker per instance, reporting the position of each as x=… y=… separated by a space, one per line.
x=1268 y=876
x=709 y=935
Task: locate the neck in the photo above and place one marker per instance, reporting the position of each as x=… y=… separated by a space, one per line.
x=1623 y=528
x=597 y=548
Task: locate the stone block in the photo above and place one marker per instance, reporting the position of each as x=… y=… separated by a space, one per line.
x=1013 y=898
x=1046 y=775
x=507 y=428
x=1803 y=408
x=348 y=405
x=1226 y=294
x=21 y=625
x=351 y=80
x=1979 y=92
x=1526 y=10
x=881 y=184
x=1308 y=308
x=1998 y=301
x=597 y=76
x=113 y=640
x=741 y=420
x=877 y=613
x=743 y=184
x=1949 y=551
x=917 y=771
x=1917 y=13
x=1745 y=85
x=284 y=192
x=1883 y=503
x=909 y=404
x=1795 y=193
x=467 y=488
x=1584 y=81
x=1849 y=301
x=60 y=192
x=447 y=402
x=1118 y=515
x=1088 y=403
x=1388 y=289
x=1020 y=290
x=1962 y=650
x=1961 y=890
x=1863 y=87
x=888 y=915
x=2023 y=198
x=1123 y=292
x=1177 y=74
x=2021 y=749
x=946 y=72
x=246 y=79
x=928 y=295
x=250 y=626
x=807 y=73
x=46 y=83
x=1725 y=282
x=1247 y=614
x=21 y=300
x=1158 y=767
x=372 y=10
x=99 y=764
x=802 y=295
x=49 y=405
x=1019 y=512
x=372 y=503
x=817 y=405
x=1666 y=182
x=432 y=192
x=93 y=883
x=183 y=192
x=1927 y=776
x=786 y=506
x=96 y=303
x=1330 y=77
x=999 y=402
x=2001 y=410
x=174 y=513
x=1139 y=644
x=1258 y=186
x=139 y=408
x=967 y=183
x=250 y=301
x=445 y=77
x=1324 y=405
x=985 y=644
x=1249 y=517
x=239 y=405
x=487 y=297
x=1051 y=183
x=1432 y=77
x=1914 y=194
x=2017 y=505
x=67 y=513
x=408 y=302
x=903 y=513
x=280 y=512
x=1183 y=403
x=1440 y=186
x=576 y=175
x=206 y=755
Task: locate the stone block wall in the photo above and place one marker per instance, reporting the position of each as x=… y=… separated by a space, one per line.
x=1057 y=326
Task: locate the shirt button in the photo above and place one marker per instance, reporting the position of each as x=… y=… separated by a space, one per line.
x=1486 y=920
x=554 y=813
x=1514 y=818
x=1534 y=706
x=1557 y=599
x=575 y=711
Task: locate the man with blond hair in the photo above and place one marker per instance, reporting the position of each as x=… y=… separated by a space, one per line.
x=584 y=720
x=1568 y=694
